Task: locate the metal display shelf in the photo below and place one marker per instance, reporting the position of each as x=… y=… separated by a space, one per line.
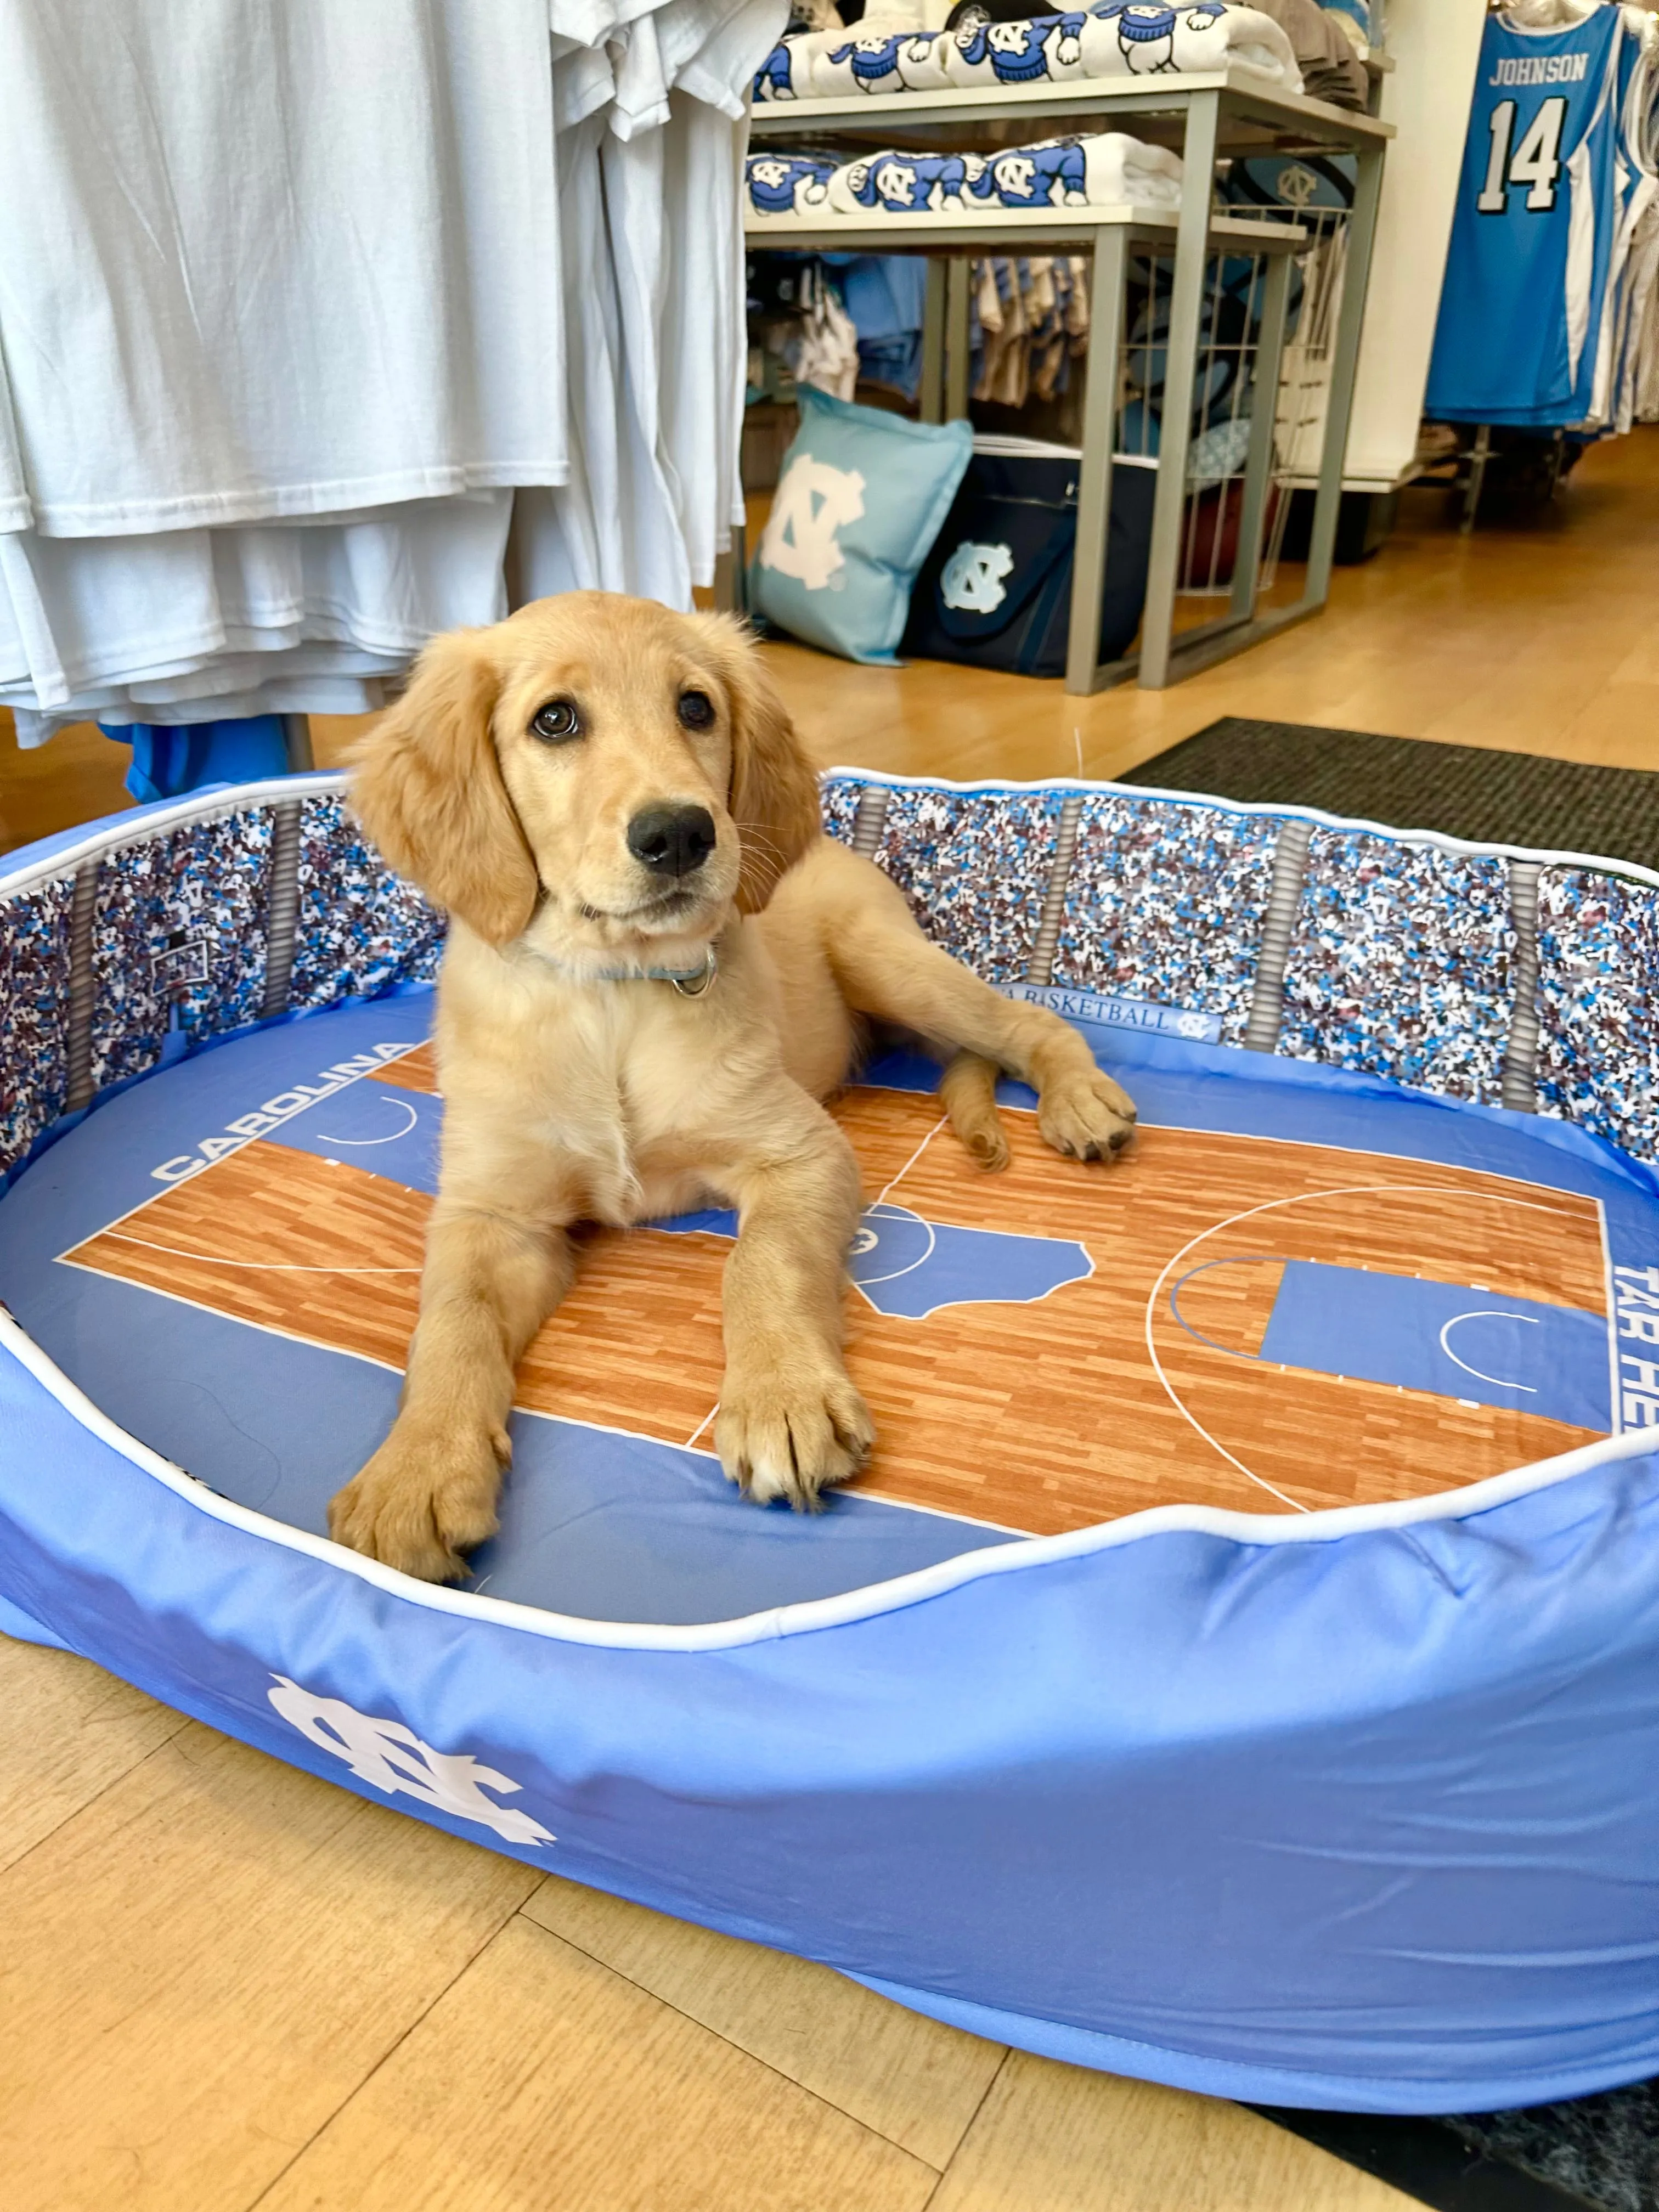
x=1106 y=236
x=1208 y=118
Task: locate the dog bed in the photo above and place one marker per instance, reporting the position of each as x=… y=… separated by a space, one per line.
x=1239 y=1666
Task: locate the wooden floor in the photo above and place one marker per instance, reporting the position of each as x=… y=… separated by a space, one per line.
x=227 y=1985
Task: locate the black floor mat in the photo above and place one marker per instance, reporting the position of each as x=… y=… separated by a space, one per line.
x=1463 y=790
x=1598 y=2154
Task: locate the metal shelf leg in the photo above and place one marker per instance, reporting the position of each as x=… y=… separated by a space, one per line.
x=1094 y=489
x=1198 y=155
x=1258 y=460
x=932 y=343
x=958 y=288
x=1345 y=366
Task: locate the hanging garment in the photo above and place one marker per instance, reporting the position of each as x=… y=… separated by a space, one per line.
x=1532 y=234
x=651 y=214
x=268 y=262
x=886 y=296
x=167 y=762
x=571 y=168
x=77 y=612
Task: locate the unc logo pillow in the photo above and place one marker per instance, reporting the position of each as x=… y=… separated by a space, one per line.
x=861 y=497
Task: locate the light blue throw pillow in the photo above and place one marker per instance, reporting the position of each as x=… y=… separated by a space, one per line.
x=861 y=497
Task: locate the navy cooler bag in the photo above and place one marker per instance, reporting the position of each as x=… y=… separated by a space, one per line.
x=996 y=589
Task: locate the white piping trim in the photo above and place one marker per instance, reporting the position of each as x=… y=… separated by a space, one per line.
x=1392 y=831
x=325 y=782
x=869 y=1602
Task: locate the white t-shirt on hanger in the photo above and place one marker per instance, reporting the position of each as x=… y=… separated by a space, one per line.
x=183 y=187
x=78 y=614
x=659 y=396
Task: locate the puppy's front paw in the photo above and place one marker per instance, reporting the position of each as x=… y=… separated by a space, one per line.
x=1086 y=1115
x=792 y=1431
x=422 y=1502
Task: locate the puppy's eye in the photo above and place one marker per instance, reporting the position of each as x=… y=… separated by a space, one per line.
x=558 y=721
x=696 y=710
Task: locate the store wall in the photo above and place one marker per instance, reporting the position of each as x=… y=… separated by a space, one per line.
x=1434 y=44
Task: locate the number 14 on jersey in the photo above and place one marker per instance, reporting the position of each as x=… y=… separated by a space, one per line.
x=1535 y=162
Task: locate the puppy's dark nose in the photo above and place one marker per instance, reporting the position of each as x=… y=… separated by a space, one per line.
x=672 y=841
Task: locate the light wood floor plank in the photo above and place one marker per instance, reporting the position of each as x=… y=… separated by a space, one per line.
x=205 y=1964
x=75 y=778
x=67 y=1731
x=1051 y=2138
x=543 y=2079
x=910 y=2079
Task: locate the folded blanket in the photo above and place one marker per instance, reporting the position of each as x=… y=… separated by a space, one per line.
x=780 y=186
x=787 y=72
x=1123 y=38
x=1106 y=170
x=1130 y=38
x=899 y=61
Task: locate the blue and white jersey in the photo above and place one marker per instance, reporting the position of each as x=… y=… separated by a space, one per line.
x=1632 y=264
x=1538 y=208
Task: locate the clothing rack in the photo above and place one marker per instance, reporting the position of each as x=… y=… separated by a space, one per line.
x=1206 y=117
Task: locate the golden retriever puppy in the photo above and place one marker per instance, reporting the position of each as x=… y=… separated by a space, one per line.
x=657 y=967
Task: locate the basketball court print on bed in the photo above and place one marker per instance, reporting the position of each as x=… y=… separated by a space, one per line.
x=1043 y=1350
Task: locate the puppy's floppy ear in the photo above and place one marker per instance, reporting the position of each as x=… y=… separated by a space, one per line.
x=775 y=787
x=427 y=788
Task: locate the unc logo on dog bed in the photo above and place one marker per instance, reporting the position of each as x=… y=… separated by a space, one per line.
x=800 y=538
x=972 y=581
x=392 y=1758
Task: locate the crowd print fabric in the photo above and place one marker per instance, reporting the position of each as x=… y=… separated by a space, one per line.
x=1125 y=37
x=839 y=797
x=975 y=865
x=34 y=998
x=1598 y=1026
x=1402 y=963
x=179 y=940
x=361 y=929
x=1165 y=904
